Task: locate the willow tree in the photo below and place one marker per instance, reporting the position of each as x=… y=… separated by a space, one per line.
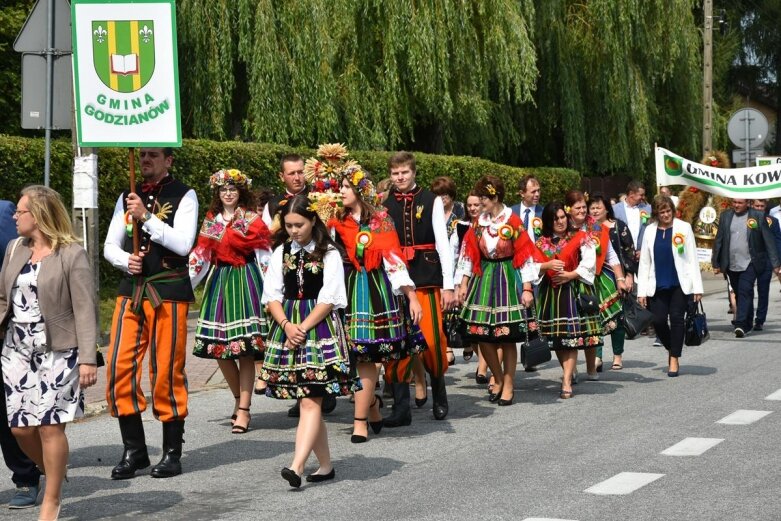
x=442 y=75
x=615 y=76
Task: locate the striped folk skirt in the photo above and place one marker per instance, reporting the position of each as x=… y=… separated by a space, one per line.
x=319 y=367
x=377 y=321
x=232 y=322
x=493 y=311
x=560 y=321
x=610 y=305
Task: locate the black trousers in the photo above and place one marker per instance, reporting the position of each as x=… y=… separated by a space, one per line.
x=25 y=472
x=669 y=309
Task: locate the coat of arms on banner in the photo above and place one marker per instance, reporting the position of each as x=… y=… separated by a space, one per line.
x=124 y=53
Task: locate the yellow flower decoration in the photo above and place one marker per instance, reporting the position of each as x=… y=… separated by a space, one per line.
x=490 y=189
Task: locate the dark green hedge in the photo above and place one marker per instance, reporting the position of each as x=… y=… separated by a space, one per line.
x=21 y=163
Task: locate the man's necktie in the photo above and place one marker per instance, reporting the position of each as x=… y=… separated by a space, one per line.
x=526 y=219
x=409 y=196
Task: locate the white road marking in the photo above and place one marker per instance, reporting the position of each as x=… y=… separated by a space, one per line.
x=775 y=396
x=691 y=446
x=743 y=417
x=546 y=519
x=623 y=483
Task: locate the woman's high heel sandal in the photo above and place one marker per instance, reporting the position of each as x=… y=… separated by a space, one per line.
x=376 y=426
x=242 y=429
x=234 y=416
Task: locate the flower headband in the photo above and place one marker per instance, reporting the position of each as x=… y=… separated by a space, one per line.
x=229 y=177
x=361 y=184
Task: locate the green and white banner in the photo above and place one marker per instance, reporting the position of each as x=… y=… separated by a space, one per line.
x=126 y=73
x=757 y=182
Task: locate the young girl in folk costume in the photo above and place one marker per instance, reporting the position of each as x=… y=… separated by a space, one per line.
x=376 y=319
x=492 y=289
x=609 y=280
x=306 y=354
x=231 y=246
x=564 y=268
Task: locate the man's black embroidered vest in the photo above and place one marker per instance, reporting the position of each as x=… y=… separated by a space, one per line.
x=162 y=201
x=415 y=230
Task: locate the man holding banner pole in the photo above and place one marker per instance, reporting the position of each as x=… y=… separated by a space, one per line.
x=151 y=311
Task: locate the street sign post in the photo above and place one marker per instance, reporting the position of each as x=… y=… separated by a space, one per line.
x=126 y=73
x=45 y=34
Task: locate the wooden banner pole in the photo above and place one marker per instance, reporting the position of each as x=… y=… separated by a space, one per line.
x=132 y=161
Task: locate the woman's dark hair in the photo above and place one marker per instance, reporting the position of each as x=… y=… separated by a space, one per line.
x=599 y=198
x=549 y=215
x=299 y=205
x=246 y=200
x=367 y=210
x=262 y=196
x=496 y=190
x=444 y=185
x=573 y=196
x=659 y=203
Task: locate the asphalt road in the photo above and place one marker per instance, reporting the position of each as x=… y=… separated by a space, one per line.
x=542 y=458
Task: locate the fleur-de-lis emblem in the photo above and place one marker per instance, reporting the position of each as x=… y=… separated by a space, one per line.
x=146 y=34
x=100 y=34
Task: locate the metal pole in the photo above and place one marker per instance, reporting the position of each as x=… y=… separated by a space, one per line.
x=747 y=139
x=49 y=90
x=707 y=79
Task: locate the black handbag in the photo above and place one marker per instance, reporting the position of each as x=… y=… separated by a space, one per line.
x=535 y=350
x=587 y=303
x=636 y=318
x=452 y=324
x=696 y=326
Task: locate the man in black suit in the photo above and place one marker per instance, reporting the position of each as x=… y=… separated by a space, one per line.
x=743 y=247
x=25 y=474
x=529 y=207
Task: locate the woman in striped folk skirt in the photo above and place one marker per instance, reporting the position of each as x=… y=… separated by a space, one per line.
x=306 y=354
x=231 y=325
x=377 y=321
x=607 y=266
x=492 y=291
x=566 y=273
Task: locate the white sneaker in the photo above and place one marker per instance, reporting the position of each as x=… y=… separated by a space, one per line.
x=657 y=342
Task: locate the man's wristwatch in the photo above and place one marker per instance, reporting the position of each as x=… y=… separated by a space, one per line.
x=147 y=215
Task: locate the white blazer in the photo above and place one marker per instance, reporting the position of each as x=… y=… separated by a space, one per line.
x=686 y=264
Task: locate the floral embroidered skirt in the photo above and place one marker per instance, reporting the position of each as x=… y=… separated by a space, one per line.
x=560 y=321
x=41 y=386
x=610 y=305
x=319 y=367
x=232 y=322
x=493 y=311
x=377 y=321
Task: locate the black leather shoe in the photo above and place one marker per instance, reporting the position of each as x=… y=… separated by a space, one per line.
x=530 y=369
x=135 y=456
x=291 y=477
x=480 y=378
x=758 y=327
x=398 y=419
x=170 y=464
x=503 y=403
x=131 y=462
x=295 y=411
x=439 y=395
x=317 y=478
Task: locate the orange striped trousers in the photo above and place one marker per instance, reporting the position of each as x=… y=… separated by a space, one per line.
x=434 y=358
x=162 y=332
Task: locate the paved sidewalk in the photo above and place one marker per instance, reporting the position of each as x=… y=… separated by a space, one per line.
x=204 y=374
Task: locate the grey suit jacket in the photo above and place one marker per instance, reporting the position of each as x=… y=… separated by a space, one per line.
x=619 y=210
x=66 y=296
x=761 y=243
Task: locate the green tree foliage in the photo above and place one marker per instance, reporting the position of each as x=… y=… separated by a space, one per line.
x=439 y=75
x=615 y=77
x=13 y=13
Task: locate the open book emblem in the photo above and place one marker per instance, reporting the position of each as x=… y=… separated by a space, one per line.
x=123 y=52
